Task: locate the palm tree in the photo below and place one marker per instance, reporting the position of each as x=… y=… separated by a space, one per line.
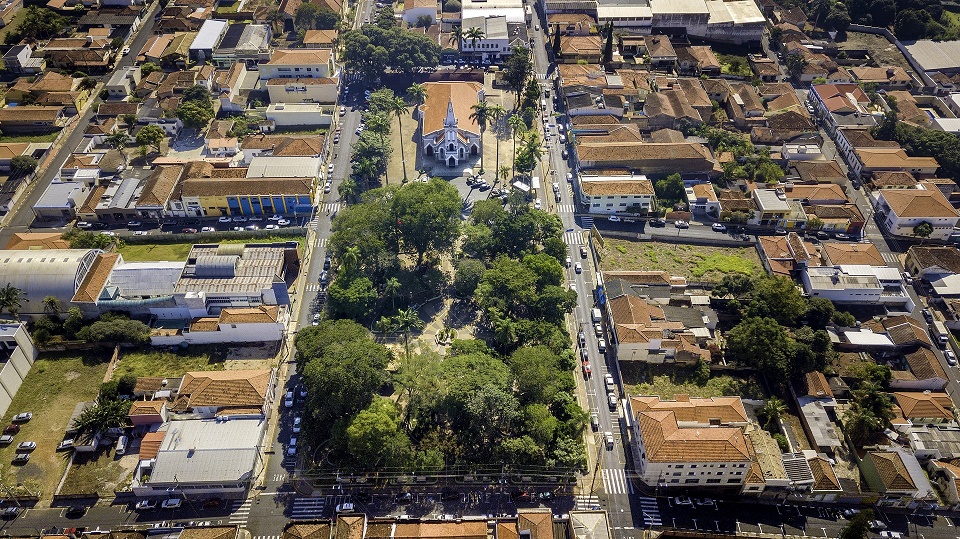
x=383 y=326
x=417 y=92
x=391 y=287
x=273 y=18
x=474 y=34
x=481 y=115
x=11 y=299
x=399 y=107
x=118 y=141
x=496 y=114
x=52 y=305
x=772 y=410
x=351 y=259
x=407 y=320
x=456 y=36
x=860 y=424
x=517 y=126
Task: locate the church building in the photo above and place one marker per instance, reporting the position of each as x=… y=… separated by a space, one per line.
x=448 y=134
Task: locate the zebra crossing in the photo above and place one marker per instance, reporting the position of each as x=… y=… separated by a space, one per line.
x=891 y=259
x=266 y=537
x=615 y=481
x=541 y=76
x=586 y=221
x=240 y=511
x=573 y=238
x=279 y=477
x=565 y=208
x=587 y=503
x=306 y=508
x=650 y=511
x=312 y=287
x=321 y=242
x=330 y=207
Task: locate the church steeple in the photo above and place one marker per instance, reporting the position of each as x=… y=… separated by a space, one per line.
x=451 y=119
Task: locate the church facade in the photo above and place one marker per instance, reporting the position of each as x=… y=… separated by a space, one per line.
x=447 y=133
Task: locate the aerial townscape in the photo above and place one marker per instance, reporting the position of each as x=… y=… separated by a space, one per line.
x=479 y=269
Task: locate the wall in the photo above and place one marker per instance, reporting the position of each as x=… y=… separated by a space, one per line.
x=22 y=357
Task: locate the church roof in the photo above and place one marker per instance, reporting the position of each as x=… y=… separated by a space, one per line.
x=444 y=97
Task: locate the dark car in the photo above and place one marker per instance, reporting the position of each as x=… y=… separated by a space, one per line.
x=927 y=316
x=326 y=262
x=405 y=497
x=658 y=223
x=75 y=511
x=12 y=428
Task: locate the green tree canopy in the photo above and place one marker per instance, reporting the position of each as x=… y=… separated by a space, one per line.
x=152 y=136
x=427 y=216
x=375 y=439
x=670 y=189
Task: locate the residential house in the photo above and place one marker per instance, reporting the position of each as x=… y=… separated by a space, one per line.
x=654 y=160
x=303 y=90
x=27 y=120
x=702 y=199
x=262 y=324
x=20 y=59
x=207 y=39
x=744 y=106
x=945 y=476
x=123 y=82
x=155 y=196
x=646 y=331
x=227 y=84
x=211 y=197
x=443 y=137
x=146 y=413
x=245 y=43
x=925 y=372
x=611 y=195
x=932 y=262
x=867 y=161
x=897 y=475
x=298 y=63
x=579 y=49
x=842 y=106
x=177 y=53
x=816 y=171
x=926 y=407
x=858 y=284
x=764 y=67
x=903 y=331
x=416 y=11
x=327 y=39
x=691 y=442
x=60 y=201
x=697 y=60
x=9 y=150
x=661 y=52
x=839 y=218
x=883 y=78
x=632 y=45
x=850 y=139
x=818 y=412
x=901 y=210
x=152 y=50
x=299 y=115
x=685 y=102
x=572 y=24
x=893 y=179
x=116 y=21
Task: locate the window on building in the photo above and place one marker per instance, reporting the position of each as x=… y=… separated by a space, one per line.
x=691 y=481
x=713 y=481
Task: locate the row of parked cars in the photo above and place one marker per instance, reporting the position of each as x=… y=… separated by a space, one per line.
x=22 y=455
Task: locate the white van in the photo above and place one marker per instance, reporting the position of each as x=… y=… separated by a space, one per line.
x=121 y=445
x=595 y=314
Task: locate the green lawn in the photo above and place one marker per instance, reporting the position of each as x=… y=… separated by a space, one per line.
x=99 y=472
x=667 y=381
x=17 y=19
x=54 y=386
x=732 y=64
x=29 y=138
x=173 y=364
x=151 y=252
x=698 y=262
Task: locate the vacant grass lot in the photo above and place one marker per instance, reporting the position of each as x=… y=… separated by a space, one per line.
x=173 y=364
x=696 y=262
x=152 y=252
x=99 y=472
x=882 y=51
x=667 y=381
x=56 y=383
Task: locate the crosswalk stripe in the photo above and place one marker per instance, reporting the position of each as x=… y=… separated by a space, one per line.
x=312 y=287
x=650 y=511
x=266 y=537
x=541 y=76
x=586 y=503
x=565 y=208
x=891 y=259
x=331 y=207
x=587 y=222
x=321 y=242
x=573 y=238
x=307 y=507
x=280 y=477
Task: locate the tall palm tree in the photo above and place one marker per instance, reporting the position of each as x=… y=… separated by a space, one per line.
x=383 y=326
x=351 y=259
x=517 y=126
x=456 y=36
x=481 y=115
x=11 y=299
x=474 y=34
x=496 y=114
x=772 y=409
x=407 y=320
x=347 y=188
x=391 y=287
x=52 y=305
x=417 y=92
x=399 y=107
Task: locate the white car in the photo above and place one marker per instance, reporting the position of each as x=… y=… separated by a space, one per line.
x=717 y=227
x=171 y=503
x=569 y=176
x=271 y=227
x=140 y=233
x=208 y=229
x=578 y=267
x=537 y=204
x=224 y=219
x=345 y=507
x=108 y=233
x=296 y=425
x=275 y=217
x=126 y=51
x=343 y=111
x=283 y=222
x=330 y=168
x=614 y=219
x=146 y=505
x=601 y=345
x=288 y=399
x=84 y=224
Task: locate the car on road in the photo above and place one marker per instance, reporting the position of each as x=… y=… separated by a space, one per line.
x=292 y=446
x=717 y=227
x=26 y=446
x=283 y=222
x=586 y=369
x=570 y=177
x=250 y=227
x=296 y=424
x=608 y=381
x=359 y=130
x=841 y=236
x=327 y=187
x=171 y=503
x=288 y=399
x=681 y=224
x=326 y=262
x=239 y=219
x=612 y=401
x=21 y=458
x=108 y=233
x=601 y=345
x=658 y=223
x=238 y=229
x=595 y=421
x=780 y=231
x=343 y=111
x=927 y=315
x=208 y=229
x=126 y=51
x=614 y=219
x=582 y=338
x=275 y=217
x=821 y=235
x=316 y=320
x=187 y=231
x=140 y=233
x=146 y=505
x=877 y=525
x=583 y=251
x=682 y=500
x=75 y=511
x=578 y=267
x=330 y=168
x=84 y=224
x=537 y=204
x=272 y=227
x=951 y=357
x=907 y=278
x=23 y=417
x=565 y=154
x=224 y=219
x=705 y=502
x=324 y=275
x=598 y=329
x=345 y=507
x=134 y=224
x=887 y=534
x=568 y=262
x=608 y=440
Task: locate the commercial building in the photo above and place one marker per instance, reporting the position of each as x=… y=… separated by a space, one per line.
x=46 y=272
x=298 y=63
x=858 y=284
x=209 y=36
x=902 y=210
x=610 y=195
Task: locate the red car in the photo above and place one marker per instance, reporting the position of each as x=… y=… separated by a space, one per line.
x=12 y=428
x=189 y=230
x=586 y=369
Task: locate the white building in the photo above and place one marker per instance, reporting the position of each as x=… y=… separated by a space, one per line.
x=692 y=442
x=611 y=195
x=303 y=90
x=261 y=324
x=703 y=199
x=858 y=284
x=299 y=114
x=61 y=200
x=298 y=63
x=901 y=210
x=495 y=45
x=18 y=354
x=511 y=9
x=122 y=82
x=448 y=133
x=209 y=36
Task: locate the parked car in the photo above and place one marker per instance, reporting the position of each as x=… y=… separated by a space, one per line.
x=404 y=497
x=614 y=219
x=598 y=329
x=595 y=421
x=717 y=227
x=705 y=502
x=84 y=224
x=171 y=503
x=586 y=369
x=568 y=262
x=208 y=229
x=582 y=338
x=283 y=222
x=682 y=500
x=296 y=425
x=6 y=439
x=951 y=357
x=224 y=219
x=66 y=444
x=134 y=224
x=288 y=399
x=842 y=236
x=10 y=512
x=26 y=446
x=780 y=231
x=345 y=507
x=12 y=428
x=927 y=315
x=887 y=534
x=275 y=217
x=239 y=219
x=602 y=345
x=681 y=224
x=21 y=458
x=583 y=251
x=146 y=505
x=292 y=446
x=75 y=511
x=23 y=417
x=189 y=231
x=578 y=267
x=612 y=401
x=658 y=223
x=877 y=525
x=251 y=227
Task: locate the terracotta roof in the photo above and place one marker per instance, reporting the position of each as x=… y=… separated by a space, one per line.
x=146 y=384
x=263 y=314
x=580 y=45
x=816 y=385
x=213 y=532
x=146 y=408
x=616 y=187
x=225 y=388
x=665 y=441
x=150 y=444
x=901 y=329
x=507 y=530
x=300 y=57
x=918 y=203
x=539 y=522
x=696 y=409
x=754 y=475
x=862 y=253
x=307 y=530
x=925 y=405
x=893 y=473
x=427 y=530
x=37 y=240
x=30 y=113
x=893 y=178
x=893 y=74
x=299 y=147
x=208 y=323
x=925 y=365
x=814 y=192
x=51 y=81
x=824 y=478
x=684 y=157
x=928 y=256
x=350 y=527
x=160 y=186
x=246 y=186
x=892 y=158
x=96 y=278
x=463 y=96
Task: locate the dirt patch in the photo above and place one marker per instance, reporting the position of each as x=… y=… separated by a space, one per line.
x=882 y=51
x=695 y=262
x=99 y=472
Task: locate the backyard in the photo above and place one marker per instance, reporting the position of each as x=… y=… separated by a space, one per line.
x=695 y=262
x=52 y=389
x=883 y=52
x=667 y=381
x=154 y=362
x=151 y=252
